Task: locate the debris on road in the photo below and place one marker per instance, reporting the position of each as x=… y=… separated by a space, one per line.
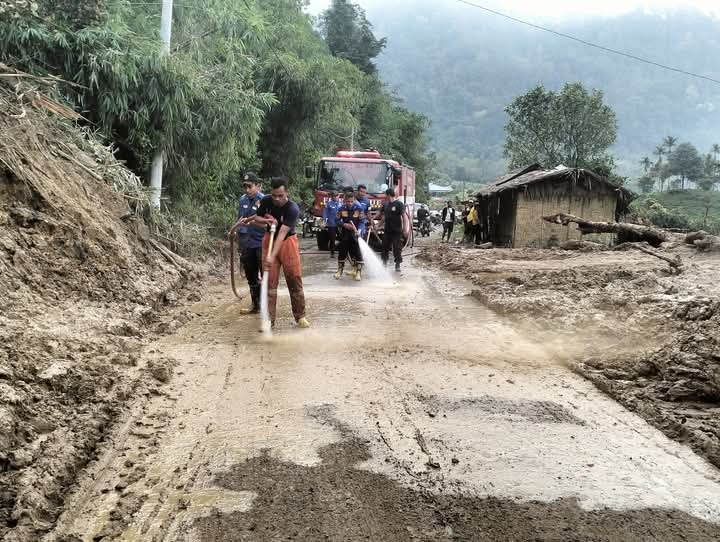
x=613 y=300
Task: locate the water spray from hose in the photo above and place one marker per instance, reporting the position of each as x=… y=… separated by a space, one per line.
x=266 y=326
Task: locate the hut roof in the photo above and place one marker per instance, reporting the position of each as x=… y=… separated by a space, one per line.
x=535 y=174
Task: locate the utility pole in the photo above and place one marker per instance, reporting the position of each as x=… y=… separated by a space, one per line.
x=352 y=139
x=156 y=173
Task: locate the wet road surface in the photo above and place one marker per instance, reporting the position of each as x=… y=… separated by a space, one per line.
x=408 y=412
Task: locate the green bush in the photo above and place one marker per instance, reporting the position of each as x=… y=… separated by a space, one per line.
x=660 y=216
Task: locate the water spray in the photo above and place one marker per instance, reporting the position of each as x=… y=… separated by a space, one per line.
x=266 y=326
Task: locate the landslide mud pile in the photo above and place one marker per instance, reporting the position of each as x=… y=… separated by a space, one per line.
x=616 y=304
x=81 y=282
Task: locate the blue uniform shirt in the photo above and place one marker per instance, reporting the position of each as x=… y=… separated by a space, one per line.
x=250 y=236
x=330 y=213
x=350 y=213
x=364 y=203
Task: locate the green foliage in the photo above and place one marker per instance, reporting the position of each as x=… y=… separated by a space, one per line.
x=647 y=183
x=659 y=215
x=247 y=85
x=349 y=35
x=573 y=127
x=202 y=111
x=693 y=209
x=686 y=163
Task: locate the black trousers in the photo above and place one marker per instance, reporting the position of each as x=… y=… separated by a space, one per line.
x=349 y=246
x=478 y=234
x=332 y=237
x=447 y=229
x=392 y=240
x=251 y=260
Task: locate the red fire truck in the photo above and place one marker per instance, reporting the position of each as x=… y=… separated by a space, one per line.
x=350 y=169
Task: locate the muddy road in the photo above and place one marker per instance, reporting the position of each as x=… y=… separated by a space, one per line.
x=408 y=412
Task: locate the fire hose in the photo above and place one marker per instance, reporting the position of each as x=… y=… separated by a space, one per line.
x=233 y=253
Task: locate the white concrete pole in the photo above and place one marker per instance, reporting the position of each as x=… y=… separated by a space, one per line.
x=156 y=173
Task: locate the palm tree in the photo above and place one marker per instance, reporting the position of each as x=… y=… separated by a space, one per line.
x=669 y=142
x=659 y=152
x=646 y=163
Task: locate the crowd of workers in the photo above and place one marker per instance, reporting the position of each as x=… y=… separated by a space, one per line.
x=348 y=220
x=346 y=217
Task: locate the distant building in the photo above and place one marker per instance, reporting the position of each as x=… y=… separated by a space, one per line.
x=511 y=209
x=436 y=190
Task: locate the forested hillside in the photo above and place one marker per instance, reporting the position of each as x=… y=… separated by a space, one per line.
x=247 y=85
x=462 y=66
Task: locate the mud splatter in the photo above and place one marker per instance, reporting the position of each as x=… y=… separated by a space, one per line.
x=337 y=501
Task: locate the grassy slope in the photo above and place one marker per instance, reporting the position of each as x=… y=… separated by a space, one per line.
x=689 y=202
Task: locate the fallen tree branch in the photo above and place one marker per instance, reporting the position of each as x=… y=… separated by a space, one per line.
x=654 y=236
x=676 y=263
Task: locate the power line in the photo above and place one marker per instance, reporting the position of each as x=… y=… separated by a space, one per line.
x=590 y=44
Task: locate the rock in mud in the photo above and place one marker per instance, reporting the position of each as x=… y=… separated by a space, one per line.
x=161 y=369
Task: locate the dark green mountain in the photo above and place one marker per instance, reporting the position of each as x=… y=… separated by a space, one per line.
x=462 y=66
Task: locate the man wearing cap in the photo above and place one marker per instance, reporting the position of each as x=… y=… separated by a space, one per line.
x=250 y=238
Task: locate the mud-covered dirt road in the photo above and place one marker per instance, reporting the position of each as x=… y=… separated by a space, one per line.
x=408 y=412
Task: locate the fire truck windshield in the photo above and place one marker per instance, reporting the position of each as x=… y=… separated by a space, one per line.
x=337 y=175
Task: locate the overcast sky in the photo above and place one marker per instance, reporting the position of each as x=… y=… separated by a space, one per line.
x=555 y=8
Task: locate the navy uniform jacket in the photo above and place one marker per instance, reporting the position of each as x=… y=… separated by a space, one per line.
x=350 y=214
x=330 y=213
x=250 y=236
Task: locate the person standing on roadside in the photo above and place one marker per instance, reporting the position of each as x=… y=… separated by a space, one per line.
x=250 y=239
x=330 y=213
x=472 y=224
x=448 y=219
x=393 y=215
x=277 y=209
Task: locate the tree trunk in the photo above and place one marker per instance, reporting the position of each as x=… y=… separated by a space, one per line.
x=627 y=232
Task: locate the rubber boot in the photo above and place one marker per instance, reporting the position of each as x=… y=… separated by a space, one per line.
x=255 y=296
x=397 y=267
x=358 y=271
x=303 y=323
x=341 y=268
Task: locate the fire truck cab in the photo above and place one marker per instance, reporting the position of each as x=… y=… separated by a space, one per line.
x=350 y=169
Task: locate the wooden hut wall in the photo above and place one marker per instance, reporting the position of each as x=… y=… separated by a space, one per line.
x=497 y=218
x=596 y=202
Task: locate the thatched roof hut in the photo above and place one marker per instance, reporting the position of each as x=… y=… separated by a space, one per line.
x=511 y=208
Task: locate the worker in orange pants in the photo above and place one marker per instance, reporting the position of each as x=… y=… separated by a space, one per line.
x=279 y=211
x=288 y=258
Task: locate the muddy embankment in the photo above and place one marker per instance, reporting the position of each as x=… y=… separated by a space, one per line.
x=81 y=284
x=650 y=339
